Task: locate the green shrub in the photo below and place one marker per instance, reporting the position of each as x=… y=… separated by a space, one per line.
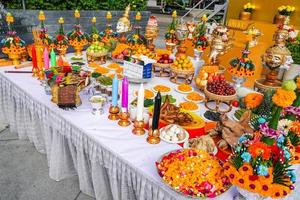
x=294 y=48
x=77 y=4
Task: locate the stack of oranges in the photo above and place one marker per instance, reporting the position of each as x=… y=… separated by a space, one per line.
x=183 y=63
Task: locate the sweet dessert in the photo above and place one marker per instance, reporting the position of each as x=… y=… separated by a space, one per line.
x=173 y=134
x=101 y=70
x=184 y=88
x=162 y=88
x=148 y=94
x=195 y=97
x=193 y=173
x=189 y=105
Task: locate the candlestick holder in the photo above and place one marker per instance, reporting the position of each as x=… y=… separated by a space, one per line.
x=124 y=119
x=138 y=127
x=113 y=113
x=153 y=136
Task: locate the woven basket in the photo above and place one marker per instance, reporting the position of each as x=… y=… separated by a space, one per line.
x=161 y=65
x=182 y=72
x=216 y=97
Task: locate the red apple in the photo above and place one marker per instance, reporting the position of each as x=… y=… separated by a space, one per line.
x=166 y=61
x=221 y=77
x=165 y=56
x=125 y=52
x=235 y=103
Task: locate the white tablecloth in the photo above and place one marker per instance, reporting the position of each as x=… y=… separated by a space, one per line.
x=111 y=162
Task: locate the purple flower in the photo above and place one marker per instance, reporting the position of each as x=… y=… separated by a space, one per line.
x=11 y=33
x=43 y=30
x=292 y=110
x=267 y=131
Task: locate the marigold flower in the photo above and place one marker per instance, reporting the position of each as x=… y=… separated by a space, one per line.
x=283 y=98
x=260 y=149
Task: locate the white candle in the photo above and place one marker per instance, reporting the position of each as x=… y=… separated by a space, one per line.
x=140 y=104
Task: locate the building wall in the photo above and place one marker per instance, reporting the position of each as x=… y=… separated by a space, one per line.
x=266 y=9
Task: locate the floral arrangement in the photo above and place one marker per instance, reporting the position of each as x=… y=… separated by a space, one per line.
x=242 y=67
x=77 y=37
x=136 y=37
x=261 y=166
x=95 y=34
x=248 y=7
x=200 y=41
x=61 y=41
x=108 y=36
x=44 y=36
x=170 y=35
x=286 y=10
x=193 y=172
x=12 y=43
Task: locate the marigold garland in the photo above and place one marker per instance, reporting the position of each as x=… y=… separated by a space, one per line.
x=283 y=98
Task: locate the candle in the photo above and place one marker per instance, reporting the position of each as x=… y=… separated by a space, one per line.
x=140 y=104
x=46 y=58
x=115 y=85
x=125 y=94
x=39 y=58
x=53 y=58
x=33 y=54
x=156 y=112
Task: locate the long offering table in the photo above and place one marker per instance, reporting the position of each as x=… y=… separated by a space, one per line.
x=111 y=162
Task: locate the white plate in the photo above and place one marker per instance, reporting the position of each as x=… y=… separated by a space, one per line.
x=177 y=142
x=163 y=93
x=185 y=97
x=182 y=92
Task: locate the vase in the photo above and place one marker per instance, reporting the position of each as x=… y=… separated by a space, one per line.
x=279 y=19
x=292 y=72
x=238 y=81
x=245 y=15
x=15 y=57
x=198 y=54
x=249 y=195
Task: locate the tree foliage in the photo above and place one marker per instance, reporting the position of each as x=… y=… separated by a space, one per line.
x=76 y=4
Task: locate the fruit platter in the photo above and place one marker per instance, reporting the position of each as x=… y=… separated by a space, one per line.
x=162 y=89
x=189 y=106
x=162 y=67
x=205 y=179
x=97 y=52
x=182 y=70
x=220 y=92
x=208 y=73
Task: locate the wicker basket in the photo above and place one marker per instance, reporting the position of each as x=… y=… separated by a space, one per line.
x=161 y=70
x=101 y=56
x=216 y=97
x=181 y=76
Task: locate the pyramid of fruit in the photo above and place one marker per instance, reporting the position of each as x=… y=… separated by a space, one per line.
x=120 y=51
x=219 y=86
x=140 y=49
x=97 y=47
x=183 y=63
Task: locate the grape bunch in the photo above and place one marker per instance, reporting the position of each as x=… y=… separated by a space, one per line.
x=220 y=87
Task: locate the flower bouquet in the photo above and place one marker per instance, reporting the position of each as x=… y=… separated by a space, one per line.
x=95 y=34
x=260 y=168
x=242 y=68
x=61 y=41
x=136 y=37
x=283 y=12
x=77 y=38
x=12 y=44
x=247 y=11
x=109 y=37
x=170 y=36
x=200 y=41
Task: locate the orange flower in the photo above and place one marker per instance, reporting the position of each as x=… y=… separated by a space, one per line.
x=252 y=100
x=260 y=149
x=283 y=98
x=296 y=127
x=298 y=82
